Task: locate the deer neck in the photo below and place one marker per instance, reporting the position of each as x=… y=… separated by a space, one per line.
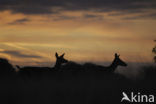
x=57 y=65
x=113 y=66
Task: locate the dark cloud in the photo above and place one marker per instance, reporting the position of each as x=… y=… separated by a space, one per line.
x=20 y=21
x=141 y=16
x=93 y=16
x=85 y=16
x=19 y=54
x=55 y=6
x=90 y=16
x=63 y=17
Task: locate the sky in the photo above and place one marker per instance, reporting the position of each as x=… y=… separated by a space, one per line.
x=31 y=31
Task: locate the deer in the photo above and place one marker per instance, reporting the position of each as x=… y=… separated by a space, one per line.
x=111 y=68
x=60 y=60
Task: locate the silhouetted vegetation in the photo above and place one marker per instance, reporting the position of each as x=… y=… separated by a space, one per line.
x=6 y=67
x=154 y=51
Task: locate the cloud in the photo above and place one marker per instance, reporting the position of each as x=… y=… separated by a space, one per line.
x=141 y=16
x=56 y=6
x=20 y=21
x=92 y=16
x=63 y=17
x=19 y=54
x=84 y=16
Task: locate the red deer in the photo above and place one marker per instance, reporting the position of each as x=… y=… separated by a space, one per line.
x=29 y=70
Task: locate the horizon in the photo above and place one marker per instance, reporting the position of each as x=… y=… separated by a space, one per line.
x=32 y=31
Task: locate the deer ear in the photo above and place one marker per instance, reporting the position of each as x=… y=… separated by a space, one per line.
x=56 y=55
x=62 y=55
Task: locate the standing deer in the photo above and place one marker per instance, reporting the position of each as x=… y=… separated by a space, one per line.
x=116 y=62
x=111 y=68
x=59 y=60
x=29 y=70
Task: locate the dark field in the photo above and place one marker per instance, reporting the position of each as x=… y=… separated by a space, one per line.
x=73 y=87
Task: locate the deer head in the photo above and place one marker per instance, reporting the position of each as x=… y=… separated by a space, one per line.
x=118 y=61
x=60 y=60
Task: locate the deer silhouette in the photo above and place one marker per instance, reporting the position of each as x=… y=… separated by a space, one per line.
x=59 y=60
x=30 y=70
x=72 y=66
x=111 y=68
x=116 y=62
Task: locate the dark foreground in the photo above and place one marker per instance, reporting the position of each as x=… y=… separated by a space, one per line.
x=73 y=87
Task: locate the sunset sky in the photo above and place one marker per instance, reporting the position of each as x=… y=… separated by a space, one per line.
x=31 y=31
